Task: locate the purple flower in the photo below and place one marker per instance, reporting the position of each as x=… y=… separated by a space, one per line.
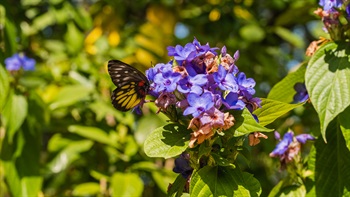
x=225 y=81
x=328 y=4
x=289 y=146
x=186 y=53
x=166 y=81
x=232 y=102
x=17 y=61
x=182 y=165
x=158 y=68
x=301 y=94
x=192 y=84
x=198 y=104
x=213 y=117
x=246 y=86
x=202 y=49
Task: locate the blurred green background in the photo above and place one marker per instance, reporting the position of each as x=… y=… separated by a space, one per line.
x=60 y=135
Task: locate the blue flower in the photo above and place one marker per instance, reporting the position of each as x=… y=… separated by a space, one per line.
x=289 y=146
x=246 y=86
x=301 y=94
x=16 y=62
x=186 y=53
x=202 y=49
x=225 y=81
x=182 y=165
x=166 y=81
x=232 y=102
x=328 y=4
x=198 y=104
x=192 y=84
x=283 y=145
x=158 y=68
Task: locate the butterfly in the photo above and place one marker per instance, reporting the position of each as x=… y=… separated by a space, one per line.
x=132 y=85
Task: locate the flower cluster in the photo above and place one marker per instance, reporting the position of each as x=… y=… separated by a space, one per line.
x=204 y=86
x=289 y=146
x=331 y=13
x=18 y=61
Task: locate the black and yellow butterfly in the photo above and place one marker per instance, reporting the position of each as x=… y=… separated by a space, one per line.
x=132 y=85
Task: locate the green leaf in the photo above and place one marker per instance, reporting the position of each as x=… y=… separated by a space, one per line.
x=168 y=141
x=328 y=81
x=284 y=90
x=245 y=123
x=86 y=189
x=223 y=181
x=74 y=38
x=68 y=155
x=14 y=114
x=271 y=110
x=252 y=33
x=4 y=87
x=92 y=133
x=287 y=190
x=344 y=122
x=144 y=128
x=177 y=187
x=163 y=178
x=126 y=184
x=70 y=95
x=289 y=36
x=331 y=164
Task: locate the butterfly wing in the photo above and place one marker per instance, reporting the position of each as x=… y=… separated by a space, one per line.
x=132 y=85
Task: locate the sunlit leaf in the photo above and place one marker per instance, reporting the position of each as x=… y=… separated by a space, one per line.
x=328 y=81
x=168 y=141
x=126 y=184
x=144 y=128
x=284 y=90
x=245 y=123
x=271 y=110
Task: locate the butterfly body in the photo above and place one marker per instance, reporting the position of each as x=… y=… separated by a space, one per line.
x=132 y=85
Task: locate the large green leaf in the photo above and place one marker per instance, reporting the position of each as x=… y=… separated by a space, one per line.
x=245 y=123
x=167 y=141
x=271 y=110
x=126 y=184
x=328 y=81
x=284 y=90
x=331 y=163
x=146 y=125
x=223 y=181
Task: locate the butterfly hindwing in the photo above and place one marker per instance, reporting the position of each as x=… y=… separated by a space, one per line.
x=132 y=85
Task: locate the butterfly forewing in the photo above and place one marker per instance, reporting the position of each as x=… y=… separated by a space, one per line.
x=132 y=85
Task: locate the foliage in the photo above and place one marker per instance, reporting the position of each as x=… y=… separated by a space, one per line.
x=61 y=136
